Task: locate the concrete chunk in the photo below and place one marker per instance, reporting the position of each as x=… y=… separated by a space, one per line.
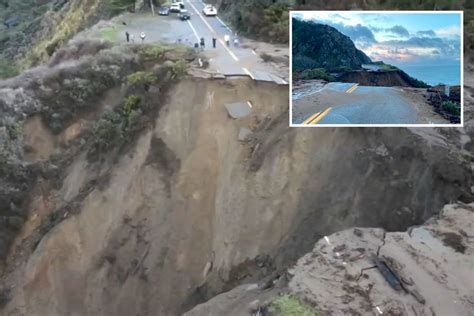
x=238 y=110
x=244 y=133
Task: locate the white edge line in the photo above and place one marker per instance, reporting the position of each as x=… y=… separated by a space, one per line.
x=248 y=72
x=194 y=30
x=222 y=22
x=203 y=19
x=291 y=124
x=250 y=104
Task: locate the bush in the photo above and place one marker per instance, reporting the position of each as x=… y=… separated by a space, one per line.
x=452 y=108
x=290 y=306
x=179 y=69
x=131 y=104
x=8 y=68
x=317 y=73
x=142 y=77
x=151 y=52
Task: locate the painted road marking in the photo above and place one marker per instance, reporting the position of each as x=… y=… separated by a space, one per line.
x=228 y=50
x=203 y=19
x=194 y=30
x=222 y=22
x=310 y=119
x=351 y=89
x=253 y=52
x=250 y=104
x=248 y=73
x=320 y=117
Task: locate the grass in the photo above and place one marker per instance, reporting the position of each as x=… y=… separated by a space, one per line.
x=142 y=77
x=110 y=34
x=291 y=306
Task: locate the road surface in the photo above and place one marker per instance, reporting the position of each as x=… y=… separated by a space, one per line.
x=349 y=103
x=229 y=61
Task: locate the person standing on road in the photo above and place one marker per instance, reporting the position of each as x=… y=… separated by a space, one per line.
x=214 y=41
x=227 y=40
x=142 y=36
x=236 y=42
x=202 y=43
x=127 y=35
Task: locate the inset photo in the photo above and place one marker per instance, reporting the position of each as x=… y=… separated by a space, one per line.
x=376 y=68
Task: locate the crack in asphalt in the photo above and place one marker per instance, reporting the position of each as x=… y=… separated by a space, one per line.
x=383 y=243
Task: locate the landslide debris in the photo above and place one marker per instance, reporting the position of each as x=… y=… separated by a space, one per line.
x=339 y=277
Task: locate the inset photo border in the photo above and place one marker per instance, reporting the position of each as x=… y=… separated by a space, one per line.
x=376 y=69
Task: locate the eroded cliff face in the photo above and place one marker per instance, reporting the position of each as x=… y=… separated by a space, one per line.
x=185 y=211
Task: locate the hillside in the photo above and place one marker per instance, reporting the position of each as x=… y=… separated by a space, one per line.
x=322 y=46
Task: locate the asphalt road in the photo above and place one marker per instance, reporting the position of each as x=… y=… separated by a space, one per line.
x=348 y=103
x=229 y=61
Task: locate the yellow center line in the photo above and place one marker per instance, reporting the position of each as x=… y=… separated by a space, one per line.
x=351 y=89
x=319 y=118
x=311 y=118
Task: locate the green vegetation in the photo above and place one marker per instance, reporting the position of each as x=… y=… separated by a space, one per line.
x=179 y=69
x=15 y=131
x=151 y=51
x=131 y=104
x=110 y=34
x=290 y=306
x=316 y=73
x=118 y=6
x=142 y=77
x=387 y=67
x=8 y=68
x=452 y=108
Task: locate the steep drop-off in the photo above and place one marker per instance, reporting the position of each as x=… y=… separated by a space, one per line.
x=184 y=211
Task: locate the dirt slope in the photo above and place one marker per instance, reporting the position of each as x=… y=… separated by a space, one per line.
x=338 y=277
x=190 y=205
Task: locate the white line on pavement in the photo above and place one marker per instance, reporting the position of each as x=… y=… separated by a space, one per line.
x=248 y=72
x=222 y=22
x=228 y=50
x=253 y=52
x=203 y=19
x=194 y=30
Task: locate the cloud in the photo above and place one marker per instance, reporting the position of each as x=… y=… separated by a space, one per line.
x=450 y=31
x=426 y=33
x=358 y=33
x=398 y=30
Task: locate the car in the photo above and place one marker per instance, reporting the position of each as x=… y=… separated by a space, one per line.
x=209 y=10
x=176 y=7
x=184 y=15
x=164 y=11
x=12 y=22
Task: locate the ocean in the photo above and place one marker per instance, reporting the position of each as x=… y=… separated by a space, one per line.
x=435 y=74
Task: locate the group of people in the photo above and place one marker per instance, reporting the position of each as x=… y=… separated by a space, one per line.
x=131 y=37
x=202 y=44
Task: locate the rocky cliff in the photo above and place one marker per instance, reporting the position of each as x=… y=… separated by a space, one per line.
x=322 y=46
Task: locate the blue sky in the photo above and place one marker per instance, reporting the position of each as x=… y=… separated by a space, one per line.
x=398 y=38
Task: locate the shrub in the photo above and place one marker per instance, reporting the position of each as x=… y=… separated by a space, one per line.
x=151 y=52
x=290 y=306
x=15 y=131
x=316 y=73
x=452 y=108
x=179 y=69
x=131 y=104
x=142 y=77
x=8 y=68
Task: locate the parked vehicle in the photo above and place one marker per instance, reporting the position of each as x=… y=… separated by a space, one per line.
x=209 y=10
x=184 y=15
x=164 y=11
x=176 y=7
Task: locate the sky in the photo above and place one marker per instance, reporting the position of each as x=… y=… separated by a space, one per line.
x=398 y=38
